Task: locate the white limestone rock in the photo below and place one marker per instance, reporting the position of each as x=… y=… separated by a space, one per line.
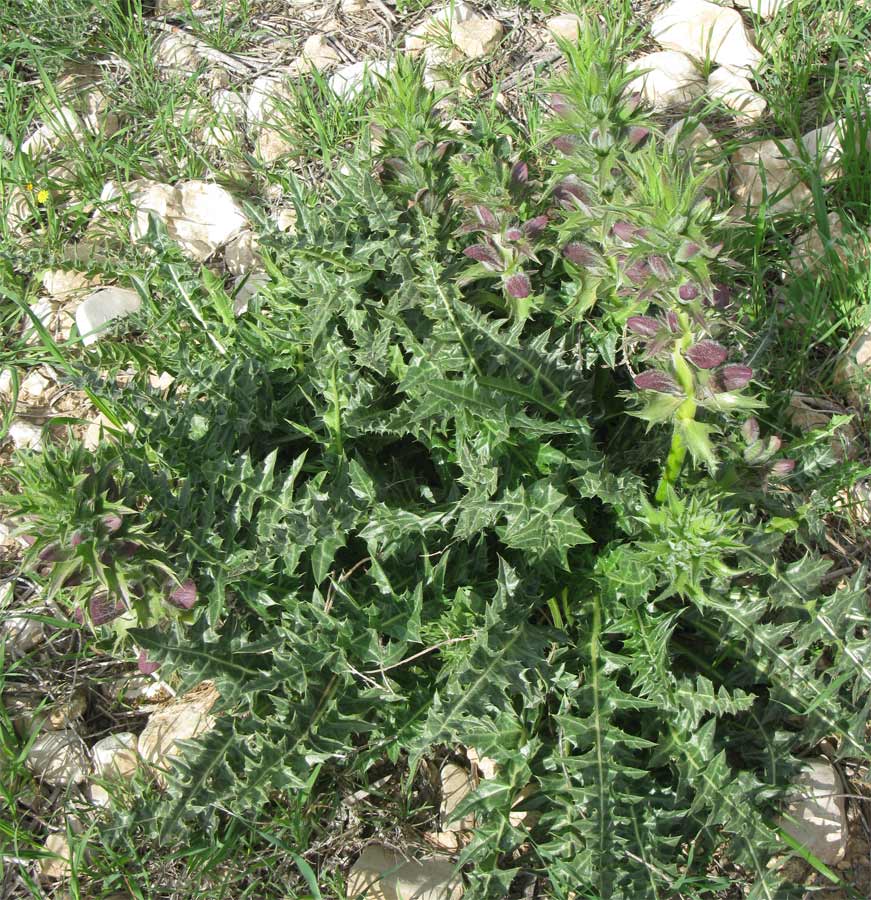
x=267 y=105
x=666 y=79
x=22 y=633
x=185 y=718
x=245 y=287
x=735 y=91
x=807 y=413
x=439 y=27
x=769 y=170
x=350 y=80
x=706 y=31
x=456 y=785
x=67 y=284
x=56 y=867
x=477 y=37
x=383 y=874
x=816 y=818
x=317 y=54
x=33 y=387
x=59 y=757
x=853 y=369
x=241 y=255
x=25 y=435
x=566 y=27
x=115 y=757
x=199 y=215
x=225 y=130
x=101 y=308
x=62 y=125
x=208 y=217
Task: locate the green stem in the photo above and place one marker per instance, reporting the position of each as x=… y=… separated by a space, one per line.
x=685 y=412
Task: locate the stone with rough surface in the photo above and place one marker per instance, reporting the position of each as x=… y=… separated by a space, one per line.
x=318 y=54
x=736 y=92
x=768 y=170
x=809 y=249
x=383 y=874
x=97 y=310
x=476 y=37
x=816 y=818
x=267 y=104
x=182 y=720
x=483 y=766
x=224 y=130
x=285 y=219
x=199 y=215
x=115 y=756
x=350 y=80
x=25 y=435
x=438 y=27
x=245 y=287
x=56 y=866
x=60 y=126
x=177 y=53
x=59 y=757
x=22 y=633
x=456 y=785
x=667 y=79
x=33 y=387
x=706 y=31
x=66 y=284
x=566 y=27
x=208 y=217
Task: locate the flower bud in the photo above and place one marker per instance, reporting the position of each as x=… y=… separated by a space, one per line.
x=658 y=266
x=688 y=291
x=487 y=218
x=687 y=250
x=519 y=174
x=581 y=254
x=646 y=326
x=654 y=380
x=569 y=193
x=625 y=231
x=566 y=143
x=561 y=105
x=736 y=377
x=103 y=609
x=185 y=595
x=637 y=135
x=706 y=354
x=485 y=254
x=782 y=468
x=518 y=286
x=112 y=523
x=50 y=554
x=533 y=228
x=750 y=430
x=146 y=667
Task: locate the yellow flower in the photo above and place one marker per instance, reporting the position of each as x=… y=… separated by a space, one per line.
x=28 y=186
x=42 y=196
